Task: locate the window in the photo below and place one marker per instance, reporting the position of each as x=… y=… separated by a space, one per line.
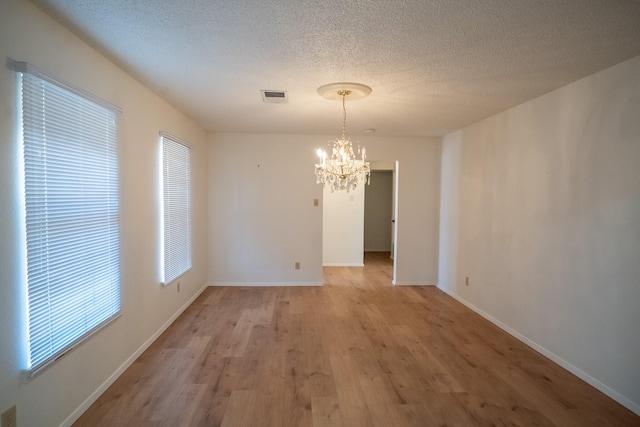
x=176 y=194
x=71 y=207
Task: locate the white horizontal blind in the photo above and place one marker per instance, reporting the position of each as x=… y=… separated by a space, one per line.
x=176 y=186
x=72 y=224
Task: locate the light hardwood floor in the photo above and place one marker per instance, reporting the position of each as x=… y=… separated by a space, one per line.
x=356 y=352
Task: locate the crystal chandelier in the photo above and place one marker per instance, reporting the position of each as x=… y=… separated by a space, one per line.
x=342 y=170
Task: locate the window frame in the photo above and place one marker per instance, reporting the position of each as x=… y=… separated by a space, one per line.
x=176 y=225
x=80 y=195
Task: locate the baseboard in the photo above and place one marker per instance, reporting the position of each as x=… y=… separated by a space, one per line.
x=123 y=367
x=409 y=283
x=342 y=264
x=262 y=284
x=627 y=403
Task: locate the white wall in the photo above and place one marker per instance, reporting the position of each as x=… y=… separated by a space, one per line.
x=343 y=227
x=26 y=34
x=540 y=209
x=263 y=219
x=418 y=196
x=261 y=213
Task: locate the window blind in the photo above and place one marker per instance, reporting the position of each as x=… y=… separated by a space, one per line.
x=72 y=217
x=176 y=192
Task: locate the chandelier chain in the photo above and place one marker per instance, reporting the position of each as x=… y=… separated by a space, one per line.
x=344 y=94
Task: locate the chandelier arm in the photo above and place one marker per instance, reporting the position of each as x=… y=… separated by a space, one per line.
x=327 y=171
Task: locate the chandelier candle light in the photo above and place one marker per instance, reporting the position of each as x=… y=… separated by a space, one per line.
x=342 y=171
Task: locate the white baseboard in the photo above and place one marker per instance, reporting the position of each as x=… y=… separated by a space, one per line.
x=342 y=264
x=262 y=284
x=627 y=403
x=123 y=367
x=408 y=283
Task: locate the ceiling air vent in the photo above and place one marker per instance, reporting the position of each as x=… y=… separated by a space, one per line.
x=274 y=96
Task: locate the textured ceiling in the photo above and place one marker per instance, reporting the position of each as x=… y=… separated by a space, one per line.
x=434 y=65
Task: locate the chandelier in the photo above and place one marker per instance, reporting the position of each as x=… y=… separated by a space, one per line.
x=342 y=170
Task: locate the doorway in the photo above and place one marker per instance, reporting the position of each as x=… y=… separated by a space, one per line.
x=381 y=210
x=378 y=213
x=344 y=217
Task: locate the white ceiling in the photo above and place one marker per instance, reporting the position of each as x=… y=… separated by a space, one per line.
x=434 y=65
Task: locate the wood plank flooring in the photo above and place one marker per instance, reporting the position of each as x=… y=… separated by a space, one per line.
x=355 y=352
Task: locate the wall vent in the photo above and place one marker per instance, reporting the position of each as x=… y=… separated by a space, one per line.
x=274 y=96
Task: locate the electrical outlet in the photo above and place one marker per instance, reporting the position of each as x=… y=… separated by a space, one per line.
x=297 y=265
x=315 y=202
x=466 y=281
x=9 y=417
